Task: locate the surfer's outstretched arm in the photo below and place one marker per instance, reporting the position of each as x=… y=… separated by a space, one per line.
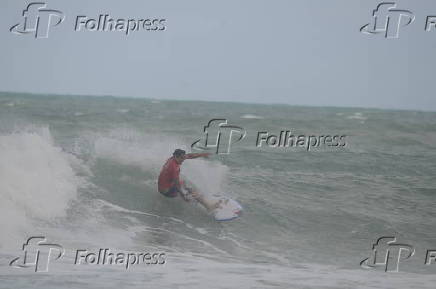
x=194 y=156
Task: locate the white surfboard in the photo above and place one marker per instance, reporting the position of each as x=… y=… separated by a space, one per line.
x=228 y=210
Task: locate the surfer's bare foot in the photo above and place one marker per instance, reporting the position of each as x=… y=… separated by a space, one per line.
x=195 y=195
x=212 y=206
x=217 y=204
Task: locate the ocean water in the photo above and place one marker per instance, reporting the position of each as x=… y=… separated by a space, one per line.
x=81 y=171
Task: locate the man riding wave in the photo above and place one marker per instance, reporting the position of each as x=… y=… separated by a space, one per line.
x=170 y=185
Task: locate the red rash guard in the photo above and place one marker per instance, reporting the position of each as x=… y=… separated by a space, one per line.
x=168 y=175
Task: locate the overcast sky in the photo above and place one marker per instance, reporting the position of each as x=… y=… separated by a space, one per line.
x=294 y=52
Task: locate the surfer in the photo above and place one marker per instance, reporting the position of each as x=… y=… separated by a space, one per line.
x=170 y=185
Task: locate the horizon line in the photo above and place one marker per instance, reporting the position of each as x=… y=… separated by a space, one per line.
x=216 y=101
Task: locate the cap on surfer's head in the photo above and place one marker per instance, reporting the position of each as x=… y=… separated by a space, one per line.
x=178 y=153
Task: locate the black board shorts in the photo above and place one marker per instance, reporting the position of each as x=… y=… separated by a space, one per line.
x=171 y=193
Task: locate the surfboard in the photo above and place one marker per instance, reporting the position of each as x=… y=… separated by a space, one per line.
x=227 y=210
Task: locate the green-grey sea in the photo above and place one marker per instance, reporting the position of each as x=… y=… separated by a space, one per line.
x=82 y=172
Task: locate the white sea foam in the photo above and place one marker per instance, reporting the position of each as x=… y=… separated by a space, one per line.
x=358 y=116
x=123 y=110
x=251 y=116
x=37 y=182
